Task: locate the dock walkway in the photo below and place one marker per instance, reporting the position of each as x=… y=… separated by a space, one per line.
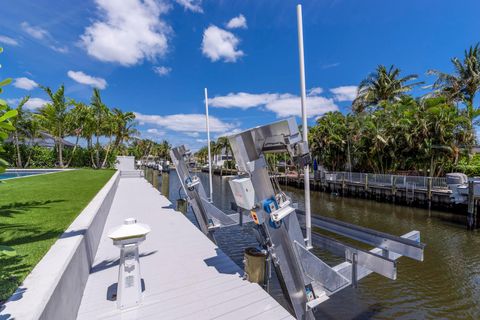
x=185 y=275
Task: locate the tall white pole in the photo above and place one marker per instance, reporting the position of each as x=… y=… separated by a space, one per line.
x=306 y=169
x=209 y=153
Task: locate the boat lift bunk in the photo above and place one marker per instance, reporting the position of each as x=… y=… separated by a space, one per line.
x=306 y=280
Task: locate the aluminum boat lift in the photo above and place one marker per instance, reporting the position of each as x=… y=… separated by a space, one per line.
x=306 y=280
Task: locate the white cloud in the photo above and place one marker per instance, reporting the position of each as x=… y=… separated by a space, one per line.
x=228 y=133
x=36 y=32
x=128 y=32
x=32 y=103
x=242 y=100
x=42 y=34
x=193 y=134
x=25 y=83
x=83 y=78
x=156 y=132
x=35 y=103
x=282 y=104
x=237 y=22
x=220 y=44
x=162 y=71
x=314 y=91
x=345 y=93
x=8 y=40
x=289 y=105
x=330 y=65
x=192 y=5
x=184 y=122
x=60 y=49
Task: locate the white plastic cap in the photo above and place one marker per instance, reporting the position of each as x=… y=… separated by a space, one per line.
x=129 y=230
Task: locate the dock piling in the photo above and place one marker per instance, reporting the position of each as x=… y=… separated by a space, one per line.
x=155 y=174
x=165 y=184
x=472 y=208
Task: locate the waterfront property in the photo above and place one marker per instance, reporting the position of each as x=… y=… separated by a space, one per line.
x=164 y=269
x=34 y=211
x=448 y=272
x=184 y=274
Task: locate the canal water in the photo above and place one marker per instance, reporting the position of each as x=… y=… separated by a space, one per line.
x=446 y=285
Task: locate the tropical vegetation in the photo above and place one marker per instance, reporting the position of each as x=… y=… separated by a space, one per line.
x=144 y=148
x=98 y=133
x=219 y=147
x=390 y=131
x=5 y=120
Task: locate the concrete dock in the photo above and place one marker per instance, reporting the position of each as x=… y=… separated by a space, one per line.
x=185 y=275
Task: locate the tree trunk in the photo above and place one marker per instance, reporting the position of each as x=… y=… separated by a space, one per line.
x=89 y=142
x=32 y=145
x=73 y=151
x=92 y=160
x=17 y=146
x=60 y=152
x=432 y=163
x=97 y=152
x=90 y=149
x=107 y=152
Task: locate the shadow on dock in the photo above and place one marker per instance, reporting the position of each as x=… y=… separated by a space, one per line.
x=105 y=264
x=223 y=264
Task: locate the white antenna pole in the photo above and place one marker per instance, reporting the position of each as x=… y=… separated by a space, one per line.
x=306 y=169
x=208 y=141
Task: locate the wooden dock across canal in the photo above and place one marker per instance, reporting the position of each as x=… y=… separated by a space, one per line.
x=185 y=275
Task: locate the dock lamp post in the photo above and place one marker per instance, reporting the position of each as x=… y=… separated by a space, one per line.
x=128 y=237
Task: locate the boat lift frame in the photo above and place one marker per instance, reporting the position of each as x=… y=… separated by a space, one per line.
x=305 y=279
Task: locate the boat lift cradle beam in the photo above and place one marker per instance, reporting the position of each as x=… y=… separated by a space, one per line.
x=403 y=246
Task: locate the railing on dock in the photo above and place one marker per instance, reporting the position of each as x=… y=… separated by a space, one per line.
x=387 y=180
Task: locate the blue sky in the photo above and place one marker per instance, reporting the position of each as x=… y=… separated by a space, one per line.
x=155 y=57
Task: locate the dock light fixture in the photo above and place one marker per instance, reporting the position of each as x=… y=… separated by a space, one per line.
x=128 y=237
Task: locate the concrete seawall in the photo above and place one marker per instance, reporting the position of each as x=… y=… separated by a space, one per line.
x=54 y=288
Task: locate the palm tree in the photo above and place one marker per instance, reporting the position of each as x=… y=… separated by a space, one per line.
x=20 y=122
x=382 y=85
x=100 y=116
x=164 y=149
x=77 y=119
x=463 y=84
x=109 y=124
x=5 y=123
x=125 y=126
x=5 y=120
x=53 y=117
x=221 y=145
x=202 y=154
x=33 y=131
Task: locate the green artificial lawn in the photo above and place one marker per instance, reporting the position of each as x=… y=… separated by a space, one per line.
x=34 y=212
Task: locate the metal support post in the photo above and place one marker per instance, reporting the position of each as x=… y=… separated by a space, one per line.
x=306 y=169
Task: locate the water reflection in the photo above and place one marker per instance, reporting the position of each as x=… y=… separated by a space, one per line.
x=445 y=285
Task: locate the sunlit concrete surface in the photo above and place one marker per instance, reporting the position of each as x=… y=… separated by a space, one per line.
x=185 y=275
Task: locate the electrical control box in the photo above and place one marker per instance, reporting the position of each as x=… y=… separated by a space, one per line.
x=243 y=192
